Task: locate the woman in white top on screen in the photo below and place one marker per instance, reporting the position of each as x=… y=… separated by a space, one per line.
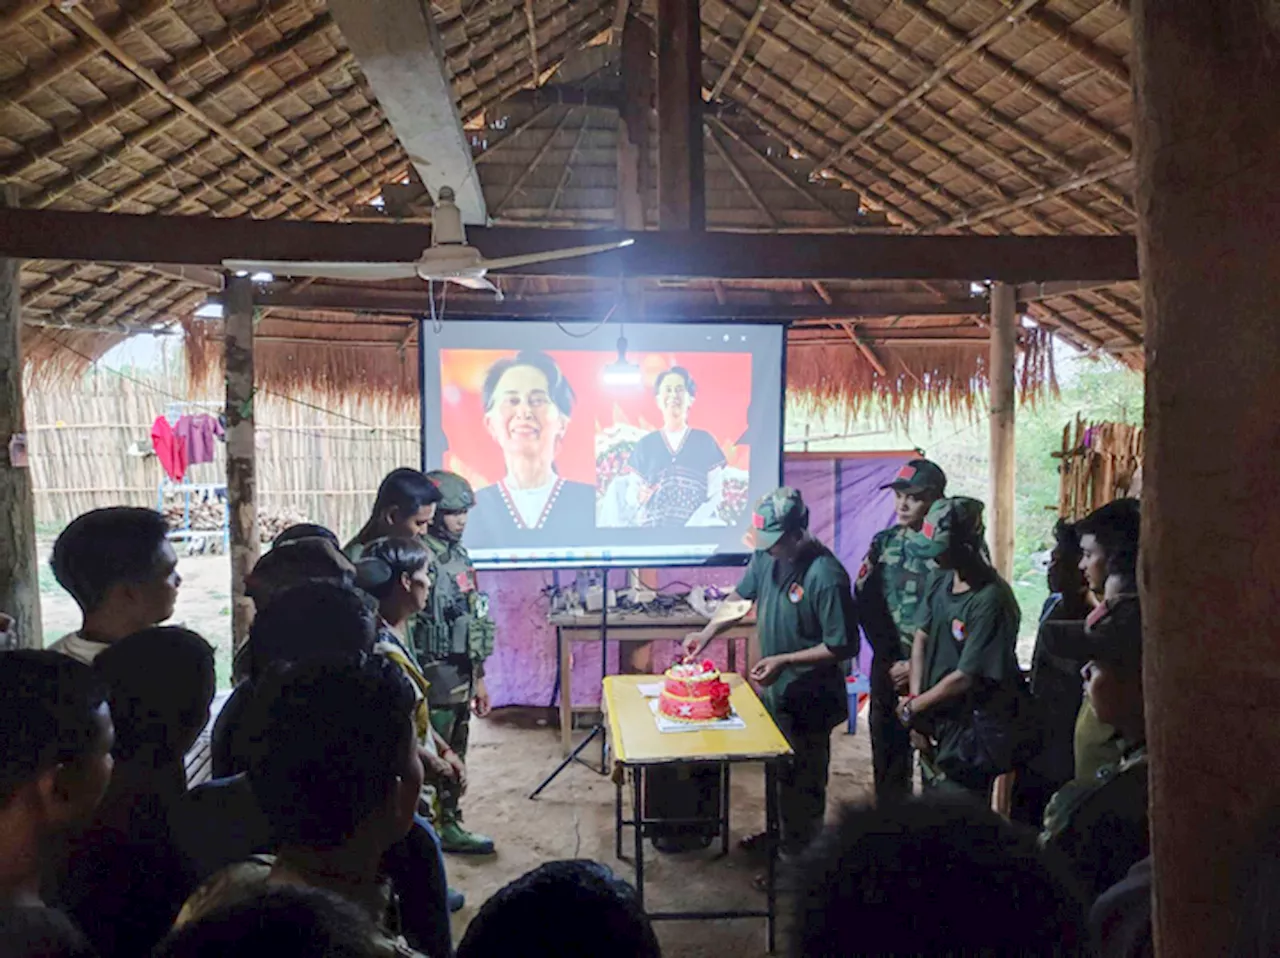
x=527 y=407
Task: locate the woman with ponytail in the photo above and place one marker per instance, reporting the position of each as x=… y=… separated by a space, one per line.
x=404 y=508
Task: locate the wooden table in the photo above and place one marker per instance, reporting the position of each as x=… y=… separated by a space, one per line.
x=637 y=745
x=633 y=628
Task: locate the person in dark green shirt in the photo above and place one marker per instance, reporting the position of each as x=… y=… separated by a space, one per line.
x=964 y=670
x=808 y=625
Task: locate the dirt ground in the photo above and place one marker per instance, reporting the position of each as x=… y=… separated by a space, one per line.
x=514 y=749
x=511 y=752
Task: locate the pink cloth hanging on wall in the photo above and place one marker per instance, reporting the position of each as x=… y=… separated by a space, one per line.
x=170 y=449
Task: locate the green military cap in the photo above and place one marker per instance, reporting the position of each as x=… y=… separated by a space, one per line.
x=958 y=518
x=920 y=475
x=776 y=514
x=456 y=494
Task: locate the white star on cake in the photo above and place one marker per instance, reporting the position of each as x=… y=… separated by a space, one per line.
x=686 y=711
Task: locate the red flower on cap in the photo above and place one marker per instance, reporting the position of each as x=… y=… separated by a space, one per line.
x=757 y=520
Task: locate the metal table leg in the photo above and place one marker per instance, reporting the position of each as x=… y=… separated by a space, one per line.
x=637 y=814
x=772 y=842
x=617 y=818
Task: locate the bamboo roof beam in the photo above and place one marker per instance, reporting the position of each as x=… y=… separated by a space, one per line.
x=533 y=39
x=532 y=165
x=774 y=168
x=934 y=115
x=143 y=285
x=921 y=143
x=38 y=151
x=620 y=10
x=986 y=111
x=887 y=159
x=1046 y=97
x=1027 y=200
x=565 y=40
x=568 y=165
x=532 y=120
x=995 y=27
x=25 y=10
x=1110 y=322
x=85 y=23
x=1065 y=327
x=739 y=175
x=864 y=347
x=53 y=192
x=1060 y=30
x=749 y=31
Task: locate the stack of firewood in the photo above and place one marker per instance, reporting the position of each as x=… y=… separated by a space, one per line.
x=273 y=521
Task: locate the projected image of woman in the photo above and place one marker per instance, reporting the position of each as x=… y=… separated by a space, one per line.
x=527 y=407
x=681 y=468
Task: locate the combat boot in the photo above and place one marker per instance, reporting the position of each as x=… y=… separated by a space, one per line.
x=455 y=839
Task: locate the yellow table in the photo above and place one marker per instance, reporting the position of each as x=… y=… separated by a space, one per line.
x=633 y=628
x=637 y=745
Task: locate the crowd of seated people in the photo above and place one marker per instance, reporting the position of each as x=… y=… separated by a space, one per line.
x=312 y=837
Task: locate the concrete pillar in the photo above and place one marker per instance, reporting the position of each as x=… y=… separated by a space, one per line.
x=1003 y=376
x=1207 y=83
x=241 y=482
x=19 y=565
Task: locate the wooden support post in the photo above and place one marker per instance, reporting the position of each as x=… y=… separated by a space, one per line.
x=633 y=123
x=241 y=486
x=1002 y=376
x=1207 y=75
x=19 y=565
x=681 y=174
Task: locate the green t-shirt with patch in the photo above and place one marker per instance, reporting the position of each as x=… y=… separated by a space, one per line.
x=802 y=604
x=974 y=632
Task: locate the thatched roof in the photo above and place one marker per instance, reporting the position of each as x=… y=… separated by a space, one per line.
x=990 y=116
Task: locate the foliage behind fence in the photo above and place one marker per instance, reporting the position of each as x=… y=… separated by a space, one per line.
x=321 y=456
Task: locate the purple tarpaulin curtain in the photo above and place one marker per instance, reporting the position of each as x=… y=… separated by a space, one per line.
x=846 y=508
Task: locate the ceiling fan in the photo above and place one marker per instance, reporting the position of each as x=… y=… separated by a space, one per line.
x=449 y=259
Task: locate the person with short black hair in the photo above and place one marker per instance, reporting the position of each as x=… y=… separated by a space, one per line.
x=284 y=921
x=124 y=881
x=310 y=620
x=55 y=762
x=965 y=679
x=680 y=469
x=33 y=931
x=528 y=404
x=563 y=909
x=337 y=777
x=1108 y=551
x=1100 y=826
x=404 y=507
x=940 y=876
x=305 y=530
x=120 y=568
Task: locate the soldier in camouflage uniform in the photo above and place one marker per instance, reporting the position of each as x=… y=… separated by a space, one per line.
x=453 y=638
x=890 y=585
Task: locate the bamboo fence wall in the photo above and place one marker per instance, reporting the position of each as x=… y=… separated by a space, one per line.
x=319 y=457
x=1099 y=462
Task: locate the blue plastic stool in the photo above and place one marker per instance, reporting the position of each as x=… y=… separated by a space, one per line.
x=855 y=685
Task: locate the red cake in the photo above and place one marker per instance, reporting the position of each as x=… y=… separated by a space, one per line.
x=694 y=692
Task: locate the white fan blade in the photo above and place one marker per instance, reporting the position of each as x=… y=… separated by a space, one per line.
x=529 y=259
x=369 y=271
x=478 y=283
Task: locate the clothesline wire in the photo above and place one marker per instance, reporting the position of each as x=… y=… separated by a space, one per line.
x=270 y=392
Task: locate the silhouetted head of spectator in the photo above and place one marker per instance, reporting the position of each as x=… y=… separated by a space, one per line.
x=287 y=921
x=117 y=563
x=338 y=758
x=305 y=530
x=55 y=753
x=294 y=563
x=1109 y=543
x=160 y=682
x=930 y=877
x=563 y=909
x=33 y=931
x=315 y=620
x=1064 y=574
